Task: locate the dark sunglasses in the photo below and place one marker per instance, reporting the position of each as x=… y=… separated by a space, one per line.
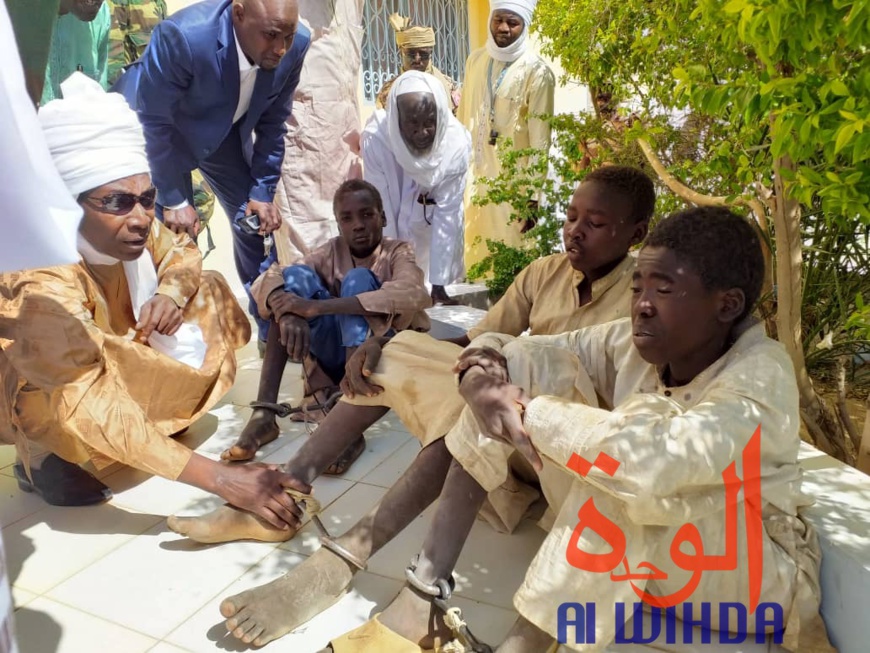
x=123 y=203
x=413 y=54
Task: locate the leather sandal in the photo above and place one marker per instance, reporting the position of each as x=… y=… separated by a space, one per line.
x=61 y=483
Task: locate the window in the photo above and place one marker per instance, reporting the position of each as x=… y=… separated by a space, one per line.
x=380 y=56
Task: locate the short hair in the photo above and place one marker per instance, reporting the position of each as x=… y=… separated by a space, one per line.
x=631 y=182
x=352 y=186
x=720 y=246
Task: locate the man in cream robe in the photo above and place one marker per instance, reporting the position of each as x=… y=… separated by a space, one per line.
x=505 y=88
x=606 y=400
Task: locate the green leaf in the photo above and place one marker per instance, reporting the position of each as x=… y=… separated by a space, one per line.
x=734 y=6
x=774 y=19
x=843 y=135
x=839 y=88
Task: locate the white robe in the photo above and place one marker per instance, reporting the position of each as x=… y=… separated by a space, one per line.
x=437 y=237
x=667 y=449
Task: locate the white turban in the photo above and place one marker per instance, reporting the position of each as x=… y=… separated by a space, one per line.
x=94 y=137
x=522 y=8
x=426 y=169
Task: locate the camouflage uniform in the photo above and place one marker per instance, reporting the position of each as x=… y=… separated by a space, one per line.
x=132 y=24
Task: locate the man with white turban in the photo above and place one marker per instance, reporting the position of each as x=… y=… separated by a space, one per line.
x=416 y=154
x=106 y=358
x=417 y=45
x=506 y=88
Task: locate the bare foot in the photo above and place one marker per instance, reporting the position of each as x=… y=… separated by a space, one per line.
x=228 y=524
x=415 y=618
x=270 y=611
x=261 y=429
x=347 y=458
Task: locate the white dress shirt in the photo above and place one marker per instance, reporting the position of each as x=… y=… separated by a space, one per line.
x=247 y=77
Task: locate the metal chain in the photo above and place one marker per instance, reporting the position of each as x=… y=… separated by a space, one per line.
x=441 y=591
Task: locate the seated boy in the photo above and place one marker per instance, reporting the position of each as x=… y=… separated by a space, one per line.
x=634 y=424
x=589 y=284
x=358 y=283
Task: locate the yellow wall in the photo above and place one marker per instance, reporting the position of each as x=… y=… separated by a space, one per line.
x=478 y=22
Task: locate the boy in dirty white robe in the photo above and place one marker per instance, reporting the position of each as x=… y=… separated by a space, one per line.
x=635 y=421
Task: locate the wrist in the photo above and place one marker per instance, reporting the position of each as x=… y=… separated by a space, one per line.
x=170 y=298
x=199 y=472
x=272 y=295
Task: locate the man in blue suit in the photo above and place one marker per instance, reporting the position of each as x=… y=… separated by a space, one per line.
x=213 y=91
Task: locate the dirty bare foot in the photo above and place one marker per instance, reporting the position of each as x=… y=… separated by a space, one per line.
x=228 y=524
x=261 y=429
x=265 y=613
x=347 y=458
x=415 y=618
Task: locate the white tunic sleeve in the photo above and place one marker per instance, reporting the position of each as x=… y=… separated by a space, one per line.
x=379 y=169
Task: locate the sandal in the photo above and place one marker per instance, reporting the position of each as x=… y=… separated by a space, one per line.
x=315 y=406
x=374 y=637
x=347 y=458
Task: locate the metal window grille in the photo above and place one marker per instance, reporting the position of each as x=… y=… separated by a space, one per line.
x=380 y=56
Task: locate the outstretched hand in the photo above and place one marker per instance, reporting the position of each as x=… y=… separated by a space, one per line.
x=261 y=489
x=498 y=408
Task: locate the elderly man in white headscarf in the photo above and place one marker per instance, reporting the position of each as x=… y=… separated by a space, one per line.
x=416 y=154
x=106 y=358
x=507 y=87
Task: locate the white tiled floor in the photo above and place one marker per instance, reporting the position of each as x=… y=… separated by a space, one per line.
x=114 y=574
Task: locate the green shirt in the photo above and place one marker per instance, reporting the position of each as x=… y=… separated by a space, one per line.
x=77 y=45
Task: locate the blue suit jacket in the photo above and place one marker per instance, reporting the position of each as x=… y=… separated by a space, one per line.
x=186 y=89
